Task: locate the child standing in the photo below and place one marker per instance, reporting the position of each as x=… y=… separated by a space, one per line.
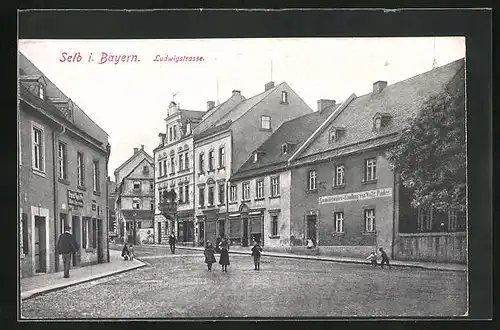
x=131 y=252
x=125 y=252
x=209 y=255
x=224 y=257
x=256 y=252
x=385 y=258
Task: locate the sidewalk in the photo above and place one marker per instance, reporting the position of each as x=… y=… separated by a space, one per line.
x=394 y=263
x=38 y=284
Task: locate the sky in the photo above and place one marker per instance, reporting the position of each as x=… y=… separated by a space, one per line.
x=129 y=100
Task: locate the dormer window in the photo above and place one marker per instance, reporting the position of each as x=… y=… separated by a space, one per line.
x=41 y=91
x=380 y=120
x=255 y=157
x=284 y=97
x=335 y=133
x=284 y=148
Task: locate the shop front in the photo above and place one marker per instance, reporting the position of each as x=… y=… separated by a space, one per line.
x=185 y=227
x=246 y=226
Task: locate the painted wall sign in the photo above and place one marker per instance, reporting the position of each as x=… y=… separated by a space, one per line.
x=370 y=194
x=75 y=198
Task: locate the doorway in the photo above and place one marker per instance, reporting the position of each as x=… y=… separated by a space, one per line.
x=100 y=252
x=244 y=239
x=75 y=228
x=311 y=228
x=159 y=232
x=40 y=245
x=201 y=236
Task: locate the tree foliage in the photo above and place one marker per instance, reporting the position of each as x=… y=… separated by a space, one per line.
x=431 y=154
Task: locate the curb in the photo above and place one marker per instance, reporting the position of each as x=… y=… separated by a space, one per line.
x=37 y=292
x=333 y=260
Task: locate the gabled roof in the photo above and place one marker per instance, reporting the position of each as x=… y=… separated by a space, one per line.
x=140 y=151
x=191 y=115
x=293 y=132
x=401 y=101
x=246 y=105
x=212 y=117
x=213 y=130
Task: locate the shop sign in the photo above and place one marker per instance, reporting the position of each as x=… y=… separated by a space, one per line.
x=75 y=198
x=350 y=197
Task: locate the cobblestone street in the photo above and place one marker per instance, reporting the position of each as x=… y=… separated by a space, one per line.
x=179 y=286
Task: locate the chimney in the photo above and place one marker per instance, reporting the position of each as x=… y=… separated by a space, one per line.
x=324 y=103
x=142 y=146
x=269 y=85
x=236 y=92
x=210 y=105
x=378 y=86
x=135 y=150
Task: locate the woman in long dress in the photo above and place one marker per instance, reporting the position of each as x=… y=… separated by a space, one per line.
x=224 y=257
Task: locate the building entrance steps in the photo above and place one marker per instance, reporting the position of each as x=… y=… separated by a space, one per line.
x=38 y=284
x=394 y=263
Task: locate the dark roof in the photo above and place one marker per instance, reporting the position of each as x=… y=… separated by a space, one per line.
x=46 y=106
x=131 y=158
x=293 y=132
x=140 y=214
x=401 y=100
x=192 y=115
x=213 y=130
x=212 y=117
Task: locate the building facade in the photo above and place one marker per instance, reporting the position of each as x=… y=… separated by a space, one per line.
x=224 y=145
x=175 y=171
x=63 y=158
x=135 y=202
x=112 y=223
x=343 y=193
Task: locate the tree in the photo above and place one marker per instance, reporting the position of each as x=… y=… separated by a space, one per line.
x=431 y=154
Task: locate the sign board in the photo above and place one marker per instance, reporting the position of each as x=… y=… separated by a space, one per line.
x=75 y=198
x=357 y=196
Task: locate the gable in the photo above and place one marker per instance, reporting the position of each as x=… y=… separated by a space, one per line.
x=138 y=171
x=130 y=164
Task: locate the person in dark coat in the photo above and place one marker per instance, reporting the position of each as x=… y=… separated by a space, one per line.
x=218 y=244
x=125 y=252
x=172 y=240
x=385 y=258
x=224 y=257
x=209 y=255
x=66 y=245
x=256 y=252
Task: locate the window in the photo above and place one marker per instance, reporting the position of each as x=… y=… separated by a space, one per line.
x=211 y=195
x=136 y=204
x=63 y=161
x=210 y=160
x=259 y=188
x=339 y=175
x=275 y=186
x=160 y=169
x=274 y=225
x=370 y=169
x=312 y=180
x=284 y=97
x=151 y=186
x=370 y=220
x=181 y=162
x=339 y=222
x=137 y=185
x=62 y=222
x=456 y=221
x=181 y=195
x=80 y=165
x=175 y=132
x=85 y=225
x=165 y=167
x=265 y=122
x=222 y=157
x=255 y=157
x=152 y=206
x=145 y=169
x=160 y=194
x=186 y=192
x=246 y=191
x=41 y=91
x=201 y=195
x=96 y=176
x=233 y=193
x=186 y=162
x=202 y=163
x=284 y=148
x=38 y=148
x=332 y=136
x=172 y=165
x=378 y=123
x=139 y=225
x=94 y=233
x=222 y=192
x=170 y=134
x=424 y=219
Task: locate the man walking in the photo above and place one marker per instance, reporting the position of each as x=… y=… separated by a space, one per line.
x=385 y=258
x=66 y=245
x=172 y=240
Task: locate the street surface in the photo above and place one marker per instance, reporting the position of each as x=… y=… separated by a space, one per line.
x=180 y=286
